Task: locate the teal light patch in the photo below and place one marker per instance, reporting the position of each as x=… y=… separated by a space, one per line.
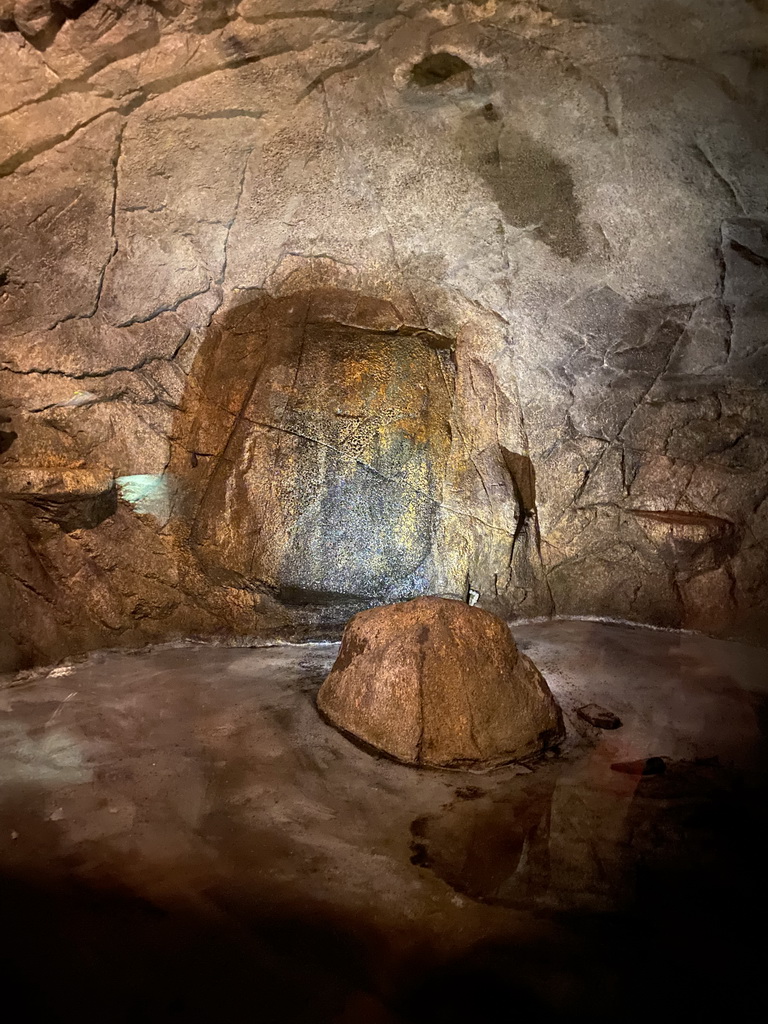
x=148 y=493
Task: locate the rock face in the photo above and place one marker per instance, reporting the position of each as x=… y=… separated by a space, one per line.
x=341 y=446
x=435 y=683
x=360 y=300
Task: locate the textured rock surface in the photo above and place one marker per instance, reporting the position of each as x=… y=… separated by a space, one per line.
x=533 y=239
x=331 y=476
x=435 y=683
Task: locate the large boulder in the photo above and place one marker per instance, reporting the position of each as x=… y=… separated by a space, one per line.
x=434 y=682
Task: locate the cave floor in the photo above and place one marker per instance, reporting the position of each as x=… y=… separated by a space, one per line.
x=183 y=839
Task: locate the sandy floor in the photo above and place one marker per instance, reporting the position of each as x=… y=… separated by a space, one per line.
x=183 y=839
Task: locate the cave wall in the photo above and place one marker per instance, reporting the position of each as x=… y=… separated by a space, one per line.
x=328 y=482
x=303 y=308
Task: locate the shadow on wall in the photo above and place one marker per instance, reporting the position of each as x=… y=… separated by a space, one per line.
x=533 y=188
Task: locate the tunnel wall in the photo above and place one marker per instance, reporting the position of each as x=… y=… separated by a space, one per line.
x=537 y=236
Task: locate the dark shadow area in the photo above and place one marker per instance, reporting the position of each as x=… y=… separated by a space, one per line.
x=692 y=826
x=532 y=186
x=436 y=68
x=683 y=948
x=72 y=512
x=7 y=437
x=630 y=968
x=239 y=925
x=103 y=953
x=40 y=22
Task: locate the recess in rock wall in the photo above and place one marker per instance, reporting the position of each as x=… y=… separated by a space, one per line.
x=436 y=68
x=326 y=472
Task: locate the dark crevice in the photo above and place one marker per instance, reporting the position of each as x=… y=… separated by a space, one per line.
x=436 y=68
x=755 y=258
x=727 y=309
x=522 y=475
x=7 y=437
x=338 y=69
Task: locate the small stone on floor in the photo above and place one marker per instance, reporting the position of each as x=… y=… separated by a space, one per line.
x=599 y=716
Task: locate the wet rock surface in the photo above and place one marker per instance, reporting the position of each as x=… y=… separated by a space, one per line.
x=435 y=683
x=497 y=849
x=181 y=835
x=570 y=200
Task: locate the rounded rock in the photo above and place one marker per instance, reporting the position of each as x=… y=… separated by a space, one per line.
x=435 y=683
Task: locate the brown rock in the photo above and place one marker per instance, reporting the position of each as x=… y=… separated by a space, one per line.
x=599 y=716
x=55 y=484
x=687 y=541
x=74 y=499
x=33 y=16
x=433 y=682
